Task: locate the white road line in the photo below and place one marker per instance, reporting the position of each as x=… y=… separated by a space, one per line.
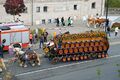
x=27 y=73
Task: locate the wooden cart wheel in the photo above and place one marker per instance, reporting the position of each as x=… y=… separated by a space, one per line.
x=70 y=50
x=66 y=51
x=60 y=51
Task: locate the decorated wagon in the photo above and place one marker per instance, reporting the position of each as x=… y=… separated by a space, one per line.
x=75 y=47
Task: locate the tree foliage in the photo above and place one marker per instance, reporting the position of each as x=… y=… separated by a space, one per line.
x=14 y=7
x=114 y=3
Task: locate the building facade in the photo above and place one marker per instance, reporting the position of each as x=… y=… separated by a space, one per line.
x=46 y=11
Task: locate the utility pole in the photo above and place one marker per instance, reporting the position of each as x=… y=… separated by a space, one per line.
x=106 y=5
x=32 y=12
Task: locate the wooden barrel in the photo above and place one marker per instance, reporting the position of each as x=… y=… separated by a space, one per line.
x=60 y=51
x=67 y=45
x=100 y=48
x=90 y=48
x=80 y=49
x=72 y=45
x=75 y=50
x=76 y=44
x=65 y=51
x=96 y=43
x=85 y=49
x=70 y=50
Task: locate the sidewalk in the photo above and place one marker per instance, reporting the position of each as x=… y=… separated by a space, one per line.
x=78 y=27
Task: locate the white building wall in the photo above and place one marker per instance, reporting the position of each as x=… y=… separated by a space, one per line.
x=60 y=8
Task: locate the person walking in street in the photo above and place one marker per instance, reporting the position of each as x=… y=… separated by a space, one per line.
x=41 y=41
x=1 y=48
x=31 y=38
x=69 y=21
x=108 y=31
x=116 y=31
x=57 y=21
x=62 y=21
x=45 y=36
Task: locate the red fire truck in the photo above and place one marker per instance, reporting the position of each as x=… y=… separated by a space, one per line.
x=14 y=33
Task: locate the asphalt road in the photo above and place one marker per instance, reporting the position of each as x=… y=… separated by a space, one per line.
x=85 y=70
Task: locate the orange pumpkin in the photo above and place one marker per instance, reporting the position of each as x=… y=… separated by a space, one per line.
x=60 y=51
x=70 y=50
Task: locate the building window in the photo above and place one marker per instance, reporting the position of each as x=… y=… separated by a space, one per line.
x=37 y=9
x=43 y=21
x=93 y=5
x=45 y=8
x=75 y=7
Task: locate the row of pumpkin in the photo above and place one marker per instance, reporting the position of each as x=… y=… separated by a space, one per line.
x=82 y=44
x=83 y=57
x=82 y=49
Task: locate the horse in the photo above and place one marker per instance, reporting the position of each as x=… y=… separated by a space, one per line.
x=96 y=22
x=29 y=56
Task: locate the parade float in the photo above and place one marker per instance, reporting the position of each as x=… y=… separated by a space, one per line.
x=77 y=47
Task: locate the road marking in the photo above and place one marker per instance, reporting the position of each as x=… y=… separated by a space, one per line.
x=114 y=43
x=27 y=73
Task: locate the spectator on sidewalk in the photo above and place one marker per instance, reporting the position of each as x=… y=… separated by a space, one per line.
x=45 y=36
x=41 y=41
x=116 y=31
x=62 y=21
x=57 y=21
x=108 y=31
x=69 y=21
x=1 y=48
x=31 y=38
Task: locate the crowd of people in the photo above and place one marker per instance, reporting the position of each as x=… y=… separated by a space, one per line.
x=63 y=23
